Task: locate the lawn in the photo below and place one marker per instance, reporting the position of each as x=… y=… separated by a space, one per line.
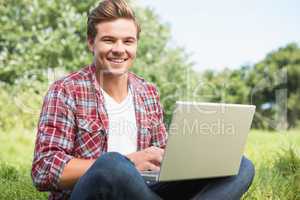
x=276 y=157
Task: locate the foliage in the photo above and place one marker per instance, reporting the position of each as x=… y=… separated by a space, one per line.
x=20 y=104
x=272 y=85
x=39 y=35
x=276 y=82
x=224 y=86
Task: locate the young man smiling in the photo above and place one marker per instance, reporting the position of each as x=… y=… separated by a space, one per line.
x=101 y=125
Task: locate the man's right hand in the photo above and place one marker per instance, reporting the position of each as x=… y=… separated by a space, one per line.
x=147 y=159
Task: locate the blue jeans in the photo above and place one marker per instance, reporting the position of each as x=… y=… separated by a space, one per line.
x=113 y=176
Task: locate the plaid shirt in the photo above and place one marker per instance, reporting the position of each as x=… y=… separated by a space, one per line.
x=74 y=124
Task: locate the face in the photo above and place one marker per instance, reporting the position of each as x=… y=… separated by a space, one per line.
x=114 y=46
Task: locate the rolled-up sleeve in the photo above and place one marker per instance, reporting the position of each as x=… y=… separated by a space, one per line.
x=55 y=138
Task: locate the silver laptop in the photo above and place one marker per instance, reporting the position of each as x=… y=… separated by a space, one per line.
x=205 y=140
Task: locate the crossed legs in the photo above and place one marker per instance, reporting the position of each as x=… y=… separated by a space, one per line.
x=113 y=176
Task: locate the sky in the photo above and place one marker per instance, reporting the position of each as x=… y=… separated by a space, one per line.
x=229 y=33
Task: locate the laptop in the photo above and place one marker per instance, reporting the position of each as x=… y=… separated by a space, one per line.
x=205 y=140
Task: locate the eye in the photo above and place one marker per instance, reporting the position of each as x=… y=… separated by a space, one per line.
x=108 y=40
x=129 y=42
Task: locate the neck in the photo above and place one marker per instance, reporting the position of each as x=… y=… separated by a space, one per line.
x=114 y=85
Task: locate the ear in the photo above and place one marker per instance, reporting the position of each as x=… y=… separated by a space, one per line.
x=90 y=43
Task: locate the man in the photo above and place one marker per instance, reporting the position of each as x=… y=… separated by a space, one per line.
x=101 y=125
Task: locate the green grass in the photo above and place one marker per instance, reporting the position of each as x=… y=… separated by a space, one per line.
x=16 y=152
x=276 y=157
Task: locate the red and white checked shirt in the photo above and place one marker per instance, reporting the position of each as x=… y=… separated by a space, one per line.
x=74 y=124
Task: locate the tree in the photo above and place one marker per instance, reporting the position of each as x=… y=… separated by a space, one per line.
x=272 y=85
x=38 y=35
x=276 y=87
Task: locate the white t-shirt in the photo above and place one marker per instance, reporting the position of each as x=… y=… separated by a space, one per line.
x=122 y=132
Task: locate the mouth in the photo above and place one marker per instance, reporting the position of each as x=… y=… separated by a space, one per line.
x=117 y=60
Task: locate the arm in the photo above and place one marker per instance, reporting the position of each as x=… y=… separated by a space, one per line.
x=55 y=138
x=73 y=171
x=158 y=129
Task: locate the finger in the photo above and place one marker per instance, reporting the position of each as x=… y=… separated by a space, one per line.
x=161 y=151
x=155 y=150
x=158 y=151
x=154 y=158
x=150 y=166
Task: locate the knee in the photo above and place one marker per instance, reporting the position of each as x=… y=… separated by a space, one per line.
x=247 y=171
x=113 y=166
x=110 y=172
x=111 y=160
x=110 y=157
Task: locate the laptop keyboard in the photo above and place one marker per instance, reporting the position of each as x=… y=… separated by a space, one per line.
x=150 y=176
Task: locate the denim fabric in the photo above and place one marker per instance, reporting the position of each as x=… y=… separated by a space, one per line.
x=113 y=176
x=224 y=188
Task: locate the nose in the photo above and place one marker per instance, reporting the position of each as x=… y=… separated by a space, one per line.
x=118 y=48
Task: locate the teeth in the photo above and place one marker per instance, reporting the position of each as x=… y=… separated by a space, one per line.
x=117 y=60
